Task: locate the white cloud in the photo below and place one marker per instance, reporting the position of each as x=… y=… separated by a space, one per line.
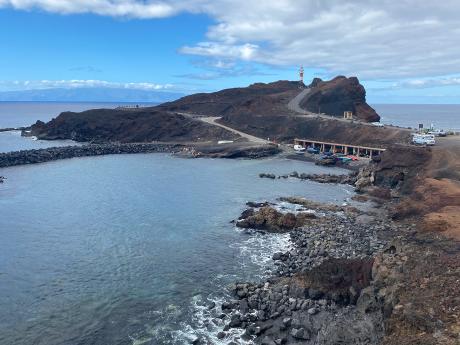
x=428 y=83
x=370 y=39
x=73 y=84
x=240 y=52
x=115 y=8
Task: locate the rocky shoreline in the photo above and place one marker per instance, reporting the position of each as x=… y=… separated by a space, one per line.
x=350 y=276
x=320 y=178
x=299 y=304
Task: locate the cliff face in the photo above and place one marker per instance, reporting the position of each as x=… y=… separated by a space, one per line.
x=338 y=95
x=144 y=125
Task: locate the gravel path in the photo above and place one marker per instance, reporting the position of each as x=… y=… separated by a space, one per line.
x=212 y=120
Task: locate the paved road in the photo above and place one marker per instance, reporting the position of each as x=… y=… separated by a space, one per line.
x=294 y=104
x=212 y=120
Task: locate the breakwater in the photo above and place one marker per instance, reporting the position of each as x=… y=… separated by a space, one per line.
x=9 y=129
x=55 y=153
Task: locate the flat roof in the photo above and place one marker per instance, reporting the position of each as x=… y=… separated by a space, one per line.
x=337 y=144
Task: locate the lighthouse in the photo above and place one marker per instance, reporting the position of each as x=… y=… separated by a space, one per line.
x=301 y=74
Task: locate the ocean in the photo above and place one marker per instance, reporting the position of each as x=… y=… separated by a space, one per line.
x=130 y=249
x=23 y=114
x=441 y=116
x=127 y=249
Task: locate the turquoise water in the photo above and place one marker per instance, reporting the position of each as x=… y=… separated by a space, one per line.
x=121 y=249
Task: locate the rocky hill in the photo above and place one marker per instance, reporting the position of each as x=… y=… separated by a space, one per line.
x=259 y=109
x=143 y=125
x=259 y=98
x=329 y=97
x=338 y=95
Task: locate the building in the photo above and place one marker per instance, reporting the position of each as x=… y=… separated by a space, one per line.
x=348 y=115
x=347 y=149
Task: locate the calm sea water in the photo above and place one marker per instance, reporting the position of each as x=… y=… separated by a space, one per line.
x=13 y=141
x=23 y=114
x=121 y=249
x=442 y=116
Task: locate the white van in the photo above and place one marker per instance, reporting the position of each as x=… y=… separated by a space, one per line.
x=423 y=139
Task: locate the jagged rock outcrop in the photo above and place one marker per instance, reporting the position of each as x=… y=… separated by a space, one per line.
x=338 y=95
x=269 y=219
x=338 y=279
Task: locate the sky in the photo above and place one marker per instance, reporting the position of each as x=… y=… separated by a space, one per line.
x=403 y=52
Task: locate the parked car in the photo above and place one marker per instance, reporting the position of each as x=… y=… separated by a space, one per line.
x=299 y=149
x=438 y=133
x=423 y=139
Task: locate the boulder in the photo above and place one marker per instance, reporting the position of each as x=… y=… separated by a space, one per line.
x=269 y=219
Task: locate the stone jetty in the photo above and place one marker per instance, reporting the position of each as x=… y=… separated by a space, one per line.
x=55 y=153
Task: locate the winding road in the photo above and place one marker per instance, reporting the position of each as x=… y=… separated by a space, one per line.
x=294 y=104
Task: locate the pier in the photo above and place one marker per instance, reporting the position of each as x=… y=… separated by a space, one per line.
x=348 y=149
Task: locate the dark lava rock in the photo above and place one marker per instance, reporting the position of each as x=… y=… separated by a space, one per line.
x=257 y=204
x=338 y=95
x=237 y=150
x=300 y=333
x=235 y=321
x=56 y=153
x=270 y=176
x=337 y=279
x=329 y=178
x=127 y=125
x=212 y=305
x=269 y=219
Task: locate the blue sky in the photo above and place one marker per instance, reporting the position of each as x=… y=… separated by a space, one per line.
x=199 y=45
